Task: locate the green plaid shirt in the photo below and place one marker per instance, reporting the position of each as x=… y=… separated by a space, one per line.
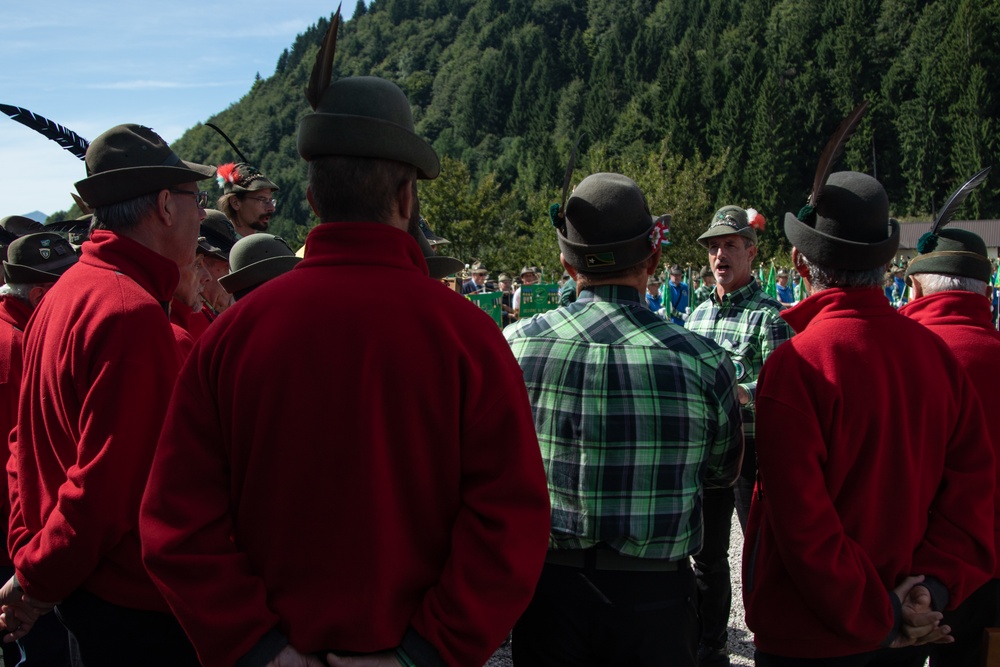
x=747 y=324
x=634 y=417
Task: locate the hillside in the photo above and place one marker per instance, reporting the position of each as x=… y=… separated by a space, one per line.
x=703 y=102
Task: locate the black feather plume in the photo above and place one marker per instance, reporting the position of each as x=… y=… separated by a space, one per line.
x=834 y=149
x=957 y=199
x=322 y=71
x=228 y=141
x=557 y=212
x=68 y=139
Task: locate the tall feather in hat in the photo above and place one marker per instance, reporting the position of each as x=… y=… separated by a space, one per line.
x=557 y=212
x=66 y=138
x=928 y=241
x=834 y=149
x=322 y=72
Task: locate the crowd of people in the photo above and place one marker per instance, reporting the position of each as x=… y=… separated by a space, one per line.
x=225 y=454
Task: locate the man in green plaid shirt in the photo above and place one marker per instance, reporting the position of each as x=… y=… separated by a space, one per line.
x=745 y=321
x=635 y=416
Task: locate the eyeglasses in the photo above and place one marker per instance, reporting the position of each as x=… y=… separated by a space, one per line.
x=200 y=198
x=265 y=200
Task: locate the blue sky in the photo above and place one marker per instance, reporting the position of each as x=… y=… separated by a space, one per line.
x=93 y=64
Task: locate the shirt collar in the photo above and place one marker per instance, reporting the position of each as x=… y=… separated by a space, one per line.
x=152 y=271
x=951 y=307
x=15 y=312
x=735 y=297
x=611 y=293
x=362 y=243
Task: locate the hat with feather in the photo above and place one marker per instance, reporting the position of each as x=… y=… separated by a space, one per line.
x=846 y=223
x=239 y=177
x=953 y=252
x=360 y=116
x=130 y=161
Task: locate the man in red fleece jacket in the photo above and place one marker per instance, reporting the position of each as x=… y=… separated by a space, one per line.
x=382 y=493
x=858 y=492
x=951 y=297
x=99 y=364
x=33 y=265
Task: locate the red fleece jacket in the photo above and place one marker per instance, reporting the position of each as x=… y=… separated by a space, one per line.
x=343 y=472
x=99 y=364
x=14 y=315
x=875 y=463
x=963 y=320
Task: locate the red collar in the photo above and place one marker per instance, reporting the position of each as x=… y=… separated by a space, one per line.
x=362 y=243
x=14 y=312
x=951 y=308
x=152 y=271
x=862 y=302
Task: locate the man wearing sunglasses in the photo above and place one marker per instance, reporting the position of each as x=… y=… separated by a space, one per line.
x=247 y=197
x=100 y=350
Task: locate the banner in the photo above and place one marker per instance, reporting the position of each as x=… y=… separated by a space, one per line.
x=490 y=302
x=537 y=299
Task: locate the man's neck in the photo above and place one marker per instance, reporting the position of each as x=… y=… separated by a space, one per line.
x=721 y=290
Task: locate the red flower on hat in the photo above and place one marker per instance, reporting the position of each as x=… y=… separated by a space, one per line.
x=757 y=221
x=660 y=234
x=227 y=173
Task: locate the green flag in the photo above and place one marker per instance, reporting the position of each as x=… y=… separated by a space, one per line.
x=771 y=286
x=800 y=291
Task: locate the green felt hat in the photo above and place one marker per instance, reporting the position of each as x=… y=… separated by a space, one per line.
x=608 y=226
x=255 y=259
x=240 y=177
x=219 y=231
x=729 y=220
x=18 y=225
x=129 y=161
x=952 y=252
x=38 y=258
x=366 y=116
x=850 y=228
x=437 y=266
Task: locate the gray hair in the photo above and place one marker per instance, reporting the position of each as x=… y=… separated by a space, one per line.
x=931 y=283
x=18 y=291
x=125 y=215
x=823 y=277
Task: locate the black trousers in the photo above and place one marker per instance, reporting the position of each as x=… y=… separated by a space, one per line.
x=582 y=617
x=109 y=635
x=715 y=590
x=904 y=657
x=980 y=610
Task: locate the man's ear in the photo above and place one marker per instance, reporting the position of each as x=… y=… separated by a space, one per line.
x=406 y=199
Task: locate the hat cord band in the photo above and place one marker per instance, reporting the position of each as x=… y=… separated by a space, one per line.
x=171 y=160
x=950 y=253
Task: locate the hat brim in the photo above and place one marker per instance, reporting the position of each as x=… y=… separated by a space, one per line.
x=258 y=183
x=724 y=230
x=322 y=134
x=19 y=274
x=442 y=267
x=118 y=185
x=258 y=272
x=837 y=253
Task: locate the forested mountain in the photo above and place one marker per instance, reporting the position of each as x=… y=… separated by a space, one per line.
x=702 y=102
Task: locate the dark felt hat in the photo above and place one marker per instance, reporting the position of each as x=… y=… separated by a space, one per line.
x=38 y=258
x=18 y=225
x=219 y=231
x=782 y=273
x=429 y=234
x=653 y=280
x=706 y=271
x=850 y=228
x=129 y=161
x=366 y=116
x=255 y=259
x=608 y=226
x=206 y=248
x=241 y=177
x=437 y=266
x=530 y=269
x=729 y=220
x=676 y=270
x=952 y=252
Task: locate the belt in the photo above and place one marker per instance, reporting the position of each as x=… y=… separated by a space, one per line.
x=604 y=558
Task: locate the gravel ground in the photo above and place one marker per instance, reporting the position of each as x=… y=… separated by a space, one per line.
x=740 y=639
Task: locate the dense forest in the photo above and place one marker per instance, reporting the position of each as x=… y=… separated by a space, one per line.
x=702 y=102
